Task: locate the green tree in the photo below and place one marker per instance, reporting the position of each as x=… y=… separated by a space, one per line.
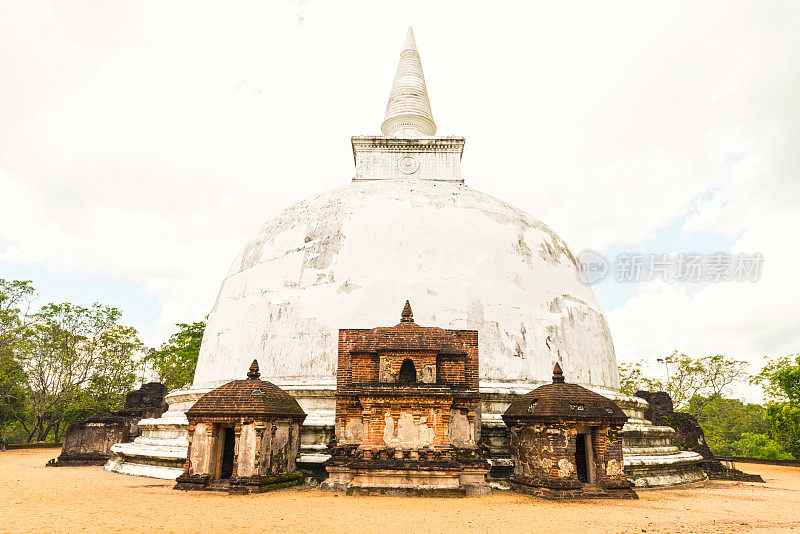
x=726 y=421
x=76 y=360
x=780 y=379
x=175 y=362
x=13 y=408
x=114 y=373
x=759 y=446
x=62 y=363
x=632 y=378
x=707 y=378
x=15 y=301
x=698 y=386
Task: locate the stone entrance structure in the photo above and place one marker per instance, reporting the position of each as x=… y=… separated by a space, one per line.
x=407 y=412
x=565 y=443
x=243 y=438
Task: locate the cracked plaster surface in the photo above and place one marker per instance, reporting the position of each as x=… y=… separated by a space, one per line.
x=348 y=258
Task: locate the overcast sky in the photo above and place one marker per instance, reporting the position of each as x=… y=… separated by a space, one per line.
x=142 y=143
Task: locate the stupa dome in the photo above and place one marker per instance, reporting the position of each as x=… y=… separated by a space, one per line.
x=344 y=258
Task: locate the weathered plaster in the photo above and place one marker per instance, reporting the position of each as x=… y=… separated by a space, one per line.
x=462 y=434
x=413 y=434
x=247 y=451
x=466 y=259
x=354 y=431
x=565 y=468
x=201 y=444
x=613 y=468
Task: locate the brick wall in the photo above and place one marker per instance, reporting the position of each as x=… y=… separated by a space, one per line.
x=541 y=452
x=361 y=409
x=421 y=345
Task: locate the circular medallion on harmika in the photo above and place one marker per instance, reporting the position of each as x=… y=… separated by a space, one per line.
x=408 y=165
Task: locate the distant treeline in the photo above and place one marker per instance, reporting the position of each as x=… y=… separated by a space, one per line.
x=732 y=428
x=64 y=362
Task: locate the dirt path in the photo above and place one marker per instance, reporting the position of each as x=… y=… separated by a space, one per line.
x=34 y=498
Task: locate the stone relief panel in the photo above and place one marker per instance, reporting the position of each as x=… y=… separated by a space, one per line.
x=388 y=429
x=294 y=446
x=247 y=451
x=411 y=434
x=354 y=431
x=265 y=459
x=200 y=450
x=461 y=432
x=280 y=448
x=385 y=372
x=428 y=374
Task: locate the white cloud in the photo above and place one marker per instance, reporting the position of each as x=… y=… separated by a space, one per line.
x=149 y=140
x=741 y=320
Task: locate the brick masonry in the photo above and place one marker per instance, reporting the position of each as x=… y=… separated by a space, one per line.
x=265 y=421
x=389 y=421
x=546 y=426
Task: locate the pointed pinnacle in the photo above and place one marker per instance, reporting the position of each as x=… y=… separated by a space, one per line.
x=407 y=316
x=558 y=375
x=411 y=43
x=408 y=111
x=252 y=373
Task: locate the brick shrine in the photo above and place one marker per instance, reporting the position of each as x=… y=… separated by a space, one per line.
x=244 y=437
x=565 y=442
x=407 y=412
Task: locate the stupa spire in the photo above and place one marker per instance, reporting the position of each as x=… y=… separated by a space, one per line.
x=408 y=112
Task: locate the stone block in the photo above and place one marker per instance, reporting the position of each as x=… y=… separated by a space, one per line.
x=89 y=442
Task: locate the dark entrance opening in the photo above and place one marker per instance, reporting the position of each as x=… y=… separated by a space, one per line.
x=228 y=442
x=580 y=458
x=407 y=372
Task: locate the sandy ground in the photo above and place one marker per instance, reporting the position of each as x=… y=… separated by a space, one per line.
x=34 y=498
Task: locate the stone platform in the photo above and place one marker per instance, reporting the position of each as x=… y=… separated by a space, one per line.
x=651 y=460
x=160 y=451
x=407 y=482
x=587 y=491
x=423 y=472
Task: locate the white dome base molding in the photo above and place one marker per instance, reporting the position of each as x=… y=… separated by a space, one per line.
x=651 y=460
x=161 y=450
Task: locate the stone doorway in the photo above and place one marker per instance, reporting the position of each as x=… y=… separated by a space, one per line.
x=228 y=447
x=582 y=460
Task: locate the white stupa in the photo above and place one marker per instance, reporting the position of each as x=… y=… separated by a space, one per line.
x=406 y=227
